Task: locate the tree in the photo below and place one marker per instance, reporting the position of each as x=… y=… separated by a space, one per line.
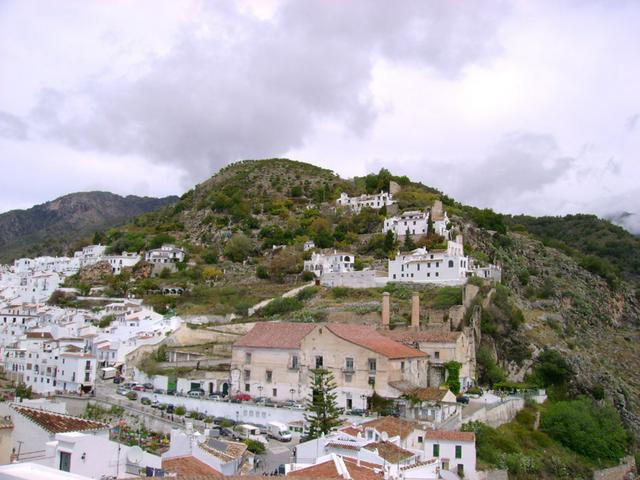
x=389 y=241
x=490 y=372
x=238 y=248
x=323 y=411
x=586 y=428
x=429 y=225
x=211 y=273
x=453 y=376
x=408 y=242
x=550 y=368
x=22 y=391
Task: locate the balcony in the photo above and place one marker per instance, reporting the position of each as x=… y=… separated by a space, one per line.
x=348 y=370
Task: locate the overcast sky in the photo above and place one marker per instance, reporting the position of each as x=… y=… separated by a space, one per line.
x=526 y=106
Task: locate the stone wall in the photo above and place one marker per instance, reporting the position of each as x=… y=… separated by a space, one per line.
x=359 y=279
x=496 y=414
x=626 y=469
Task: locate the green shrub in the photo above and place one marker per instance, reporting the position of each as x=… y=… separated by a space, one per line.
x=307 y=293
x=180 y=410
x=255 y=447
x=308 y=276
x=489 y=371
x=586 y=428
x=262 y=272
x=550 y=368
x=280 y=305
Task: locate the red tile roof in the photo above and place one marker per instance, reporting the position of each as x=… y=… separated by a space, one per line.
x=188 y=466
x=369 y=338
x=392 y=425
x=58 y=422
x=275 y=335
x=328 y=469
x=434 y=394
x=390 y=451
x=39 y=335
x=436 y=336
x=451 y=436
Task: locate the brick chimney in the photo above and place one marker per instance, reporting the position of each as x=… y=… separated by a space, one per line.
x=415 y=311
x=386 y=309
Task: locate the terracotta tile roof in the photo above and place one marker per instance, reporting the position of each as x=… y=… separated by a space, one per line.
x=434 y=394
x=58 y=422
x=5 y=425
x=420 y=464
x=451 y=436
x=328 y=469
x=275 y=335
x=436 y=336
x=39 y=335
x=70 y=354
x=390 y=451
x=353 y=431
x=369 y=338
x=392 y=426
x=342 y=446
x=189 y=466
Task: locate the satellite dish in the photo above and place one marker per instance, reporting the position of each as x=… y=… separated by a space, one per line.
x=384 y=436
x=134 y=455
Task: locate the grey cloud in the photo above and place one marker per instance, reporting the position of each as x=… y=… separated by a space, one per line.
x=258 y=88
x=520 y=162
x=12 y=127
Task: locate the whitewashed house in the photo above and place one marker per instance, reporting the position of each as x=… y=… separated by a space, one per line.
x=455 y=451
x=165 y=254
x=308 y=245
x=444 y=267
x=124 y=260
x=413 y=222
x=90 y=254
x=375 y=201
x=336 y=262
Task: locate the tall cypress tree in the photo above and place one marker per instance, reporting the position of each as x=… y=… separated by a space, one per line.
x=409 y=245
x=323 y=410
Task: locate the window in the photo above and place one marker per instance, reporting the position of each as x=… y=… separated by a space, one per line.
x=247 y=357
x=319 y=361
x=420 y=439
x=450 y=263
x=402 y=366
x=87 y=365
x=247 y=375
x=65 y=461
x=73 y=377
x=275 y=392
x=436 y=450
x=294 y=362
x=436 y=355
x=247 y=387
x=268 y=376
x=372 y=364
x=348 y=364
x=458 y=451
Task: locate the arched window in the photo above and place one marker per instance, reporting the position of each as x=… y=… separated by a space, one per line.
x=450 y=263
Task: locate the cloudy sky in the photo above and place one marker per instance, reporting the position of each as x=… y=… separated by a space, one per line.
x=523 y=106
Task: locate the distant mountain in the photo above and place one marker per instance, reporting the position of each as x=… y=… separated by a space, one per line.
x=53 y=227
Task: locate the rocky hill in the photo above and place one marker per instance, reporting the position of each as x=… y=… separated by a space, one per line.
x=52 y=227
x=569 y=284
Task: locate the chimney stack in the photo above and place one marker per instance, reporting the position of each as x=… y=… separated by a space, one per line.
x=415 y=310
x=386 y=310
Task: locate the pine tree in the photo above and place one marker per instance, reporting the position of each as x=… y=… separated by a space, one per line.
x=408 y=242
x=389 y=241
x=322 y=407
x=430 y=225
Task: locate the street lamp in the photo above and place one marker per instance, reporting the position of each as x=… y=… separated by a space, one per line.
x=292 y=391
x=364 y=401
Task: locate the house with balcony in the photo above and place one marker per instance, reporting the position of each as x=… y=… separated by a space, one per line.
x=331 y=262
x=356 y=204
x=414 y=223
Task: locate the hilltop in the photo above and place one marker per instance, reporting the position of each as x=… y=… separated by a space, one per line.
x=559 y=292
x=52 y=227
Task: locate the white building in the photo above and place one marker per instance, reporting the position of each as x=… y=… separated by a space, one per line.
x=455 y=451
x=413 y=222
x=165 y=254
x=336 y=262
x=356 y=204
x=32 y=471
x=445 y=267
x=440 y=219
x=124 y=260
x=90 y=254
x=308 y=245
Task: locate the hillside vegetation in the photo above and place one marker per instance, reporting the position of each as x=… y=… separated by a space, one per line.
x=569 y=284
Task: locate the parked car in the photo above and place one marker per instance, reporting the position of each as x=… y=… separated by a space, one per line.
x=241 y=397
x=227 y=432
x=171 y=392
x=261 y=400
x=293 y=404
x=130 y=385
x=145 y=401
x=198 y=393
x=358 y=412
x=462 y=399
x=118 y=380
x=215 y=396
x=122 y=390
x=170 y=408
x=158 y=391
x=148 y=387
x=132 y=395
x=155 y=404
x=137 y=388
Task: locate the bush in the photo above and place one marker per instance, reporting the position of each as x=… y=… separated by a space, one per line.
x=307 y=293
x=255 y=447
x=106 y=321
x=22 y=391
x=308 y=276
x=180 y=410
x=238 y=248
x=550 y=368
x=280 y=305
x=261 y=272
x=586 y=428
x=490 y=372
